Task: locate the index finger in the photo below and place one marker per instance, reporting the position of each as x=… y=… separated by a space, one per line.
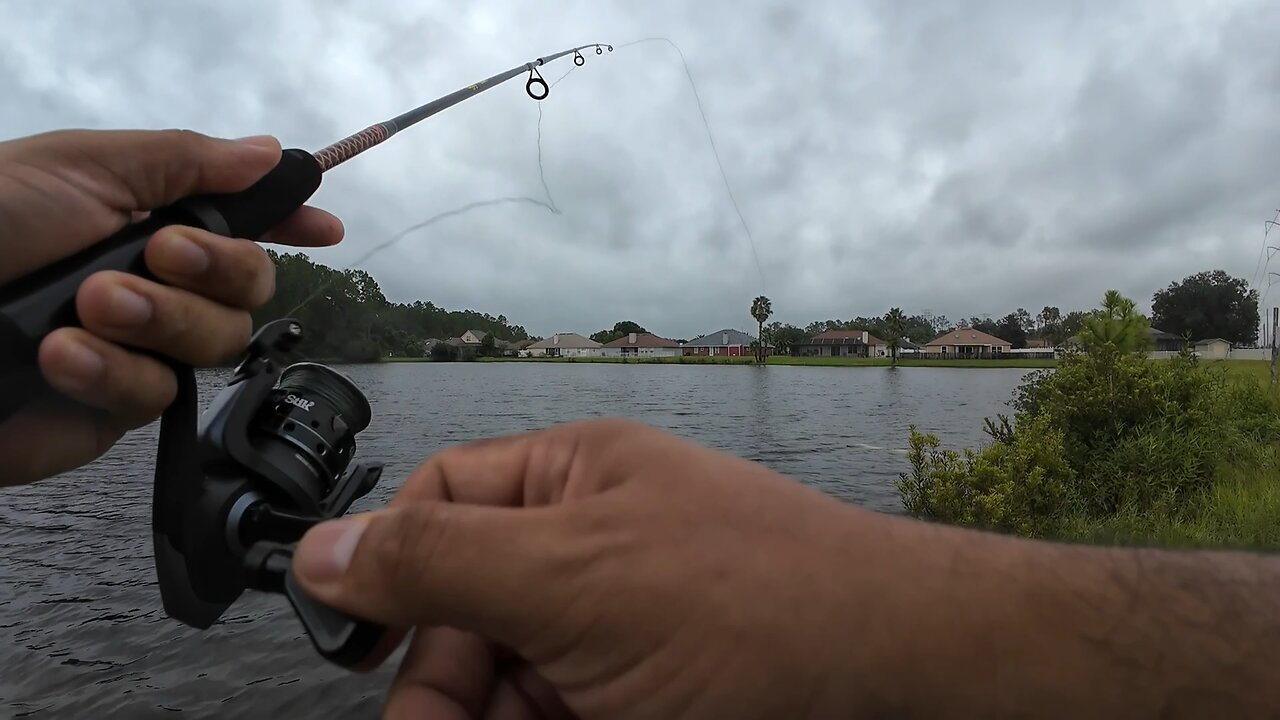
x=529 y=469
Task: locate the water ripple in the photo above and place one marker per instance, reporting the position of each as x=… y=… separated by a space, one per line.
x=79 y=603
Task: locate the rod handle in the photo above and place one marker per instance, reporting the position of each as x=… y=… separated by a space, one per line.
x=36 y=304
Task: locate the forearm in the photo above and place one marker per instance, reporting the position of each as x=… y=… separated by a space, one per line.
x=994 y=626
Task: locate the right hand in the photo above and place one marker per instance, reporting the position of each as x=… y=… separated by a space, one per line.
x=609 y=570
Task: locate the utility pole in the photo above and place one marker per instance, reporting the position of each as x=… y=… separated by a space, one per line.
x=1275 y=320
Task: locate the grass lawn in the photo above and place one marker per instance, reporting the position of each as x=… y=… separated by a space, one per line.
x=775 y=360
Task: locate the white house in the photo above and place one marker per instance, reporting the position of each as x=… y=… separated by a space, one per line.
x=566 y=345
x=642 y=345
x=1213 y=348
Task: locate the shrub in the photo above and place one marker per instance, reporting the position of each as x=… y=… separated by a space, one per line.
x=1109 y=431
x=1018 y=485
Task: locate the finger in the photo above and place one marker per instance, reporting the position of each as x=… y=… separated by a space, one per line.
x=131 y=170
x=492 y=571
x=445 y=673
x=129 y=310
x=527 y=469
x=387 y=644
x=522 y=693
x=508 y=704
x=232 y=271
x=306 y=227
x=132 y=389
x=49 y=438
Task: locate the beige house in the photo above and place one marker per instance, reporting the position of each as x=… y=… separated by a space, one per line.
x=842 y=343
x=566 y=345
x=642 y=345
x=1213 y=349
x=965 y=342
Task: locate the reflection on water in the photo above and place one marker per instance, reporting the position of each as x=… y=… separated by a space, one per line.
x=79 y=606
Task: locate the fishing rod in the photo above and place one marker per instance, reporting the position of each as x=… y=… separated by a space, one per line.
x=35 y=305
x=237 y=487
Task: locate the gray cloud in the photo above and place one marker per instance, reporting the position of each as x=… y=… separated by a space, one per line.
x=967 y=158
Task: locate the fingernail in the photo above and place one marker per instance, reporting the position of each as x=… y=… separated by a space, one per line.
x=128 y=307
x=81 y=363
x=325 y=551
x=263 y=141
x=188 y=258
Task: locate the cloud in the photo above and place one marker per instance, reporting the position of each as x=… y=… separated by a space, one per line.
x=967 y=159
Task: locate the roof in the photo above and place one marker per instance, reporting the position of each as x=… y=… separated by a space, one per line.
x=967 y=336
x=566 y=340
x=521 y=344
x=722 y=338
x=843 y=337
x=643 y=340
x=1162 y=335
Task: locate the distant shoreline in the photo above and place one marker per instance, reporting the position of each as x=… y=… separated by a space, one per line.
x=1024 y=363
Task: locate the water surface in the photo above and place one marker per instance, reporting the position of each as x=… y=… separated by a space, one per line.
x=86 y=636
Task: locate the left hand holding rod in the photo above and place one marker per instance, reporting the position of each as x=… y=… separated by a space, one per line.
x=61 y=192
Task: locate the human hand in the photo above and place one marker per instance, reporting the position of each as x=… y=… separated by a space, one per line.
x=609 y=570
x=63 y=191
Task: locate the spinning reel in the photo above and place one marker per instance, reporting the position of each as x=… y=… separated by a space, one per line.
x=270 y=457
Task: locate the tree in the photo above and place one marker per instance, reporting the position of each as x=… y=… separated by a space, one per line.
x=785 y=338
x=896 y=324
x=761 y=310
x=1207 y=305
x=1070 y=325
x=1117 y=326
x=620 y=329
x=1013 y=329
x=488 y=345
x=1048 y=318
x=346 y=316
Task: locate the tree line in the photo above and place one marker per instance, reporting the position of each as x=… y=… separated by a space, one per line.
x=1201 y=306
x=346 y=317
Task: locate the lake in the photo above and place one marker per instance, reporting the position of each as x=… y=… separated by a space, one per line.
x=86 y=636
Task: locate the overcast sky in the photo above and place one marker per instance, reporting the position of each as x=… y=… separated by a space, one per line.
x=965 y=158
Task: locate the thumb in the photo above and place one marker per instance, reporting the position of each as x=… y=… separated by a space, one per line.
x=496 y=571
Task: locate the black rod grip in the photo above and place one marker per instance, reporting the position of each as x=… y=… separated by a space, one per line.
x=35 y=305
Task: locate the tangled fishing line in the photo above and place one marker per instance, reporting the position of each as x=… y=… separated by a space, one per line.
x=548 y=202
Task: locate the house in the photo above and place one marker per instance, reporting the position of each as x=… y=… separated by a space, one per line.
x=1040 y=343
x=966 y=342
x=1213 y=348
x=566 y=345
x=642 y=344
x=473 y=337
x=721 y=342
x=1162 y=341
x=843 y=343
x=907 y=347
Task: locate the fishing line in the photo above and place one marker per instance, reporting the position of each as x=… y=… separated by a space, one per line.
x=418 y=226
x=549 y=203
x=710 y=137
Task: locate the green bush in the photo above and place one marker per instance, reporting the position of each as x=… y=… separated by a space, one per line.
x=1017 y=485
x=1109 y=432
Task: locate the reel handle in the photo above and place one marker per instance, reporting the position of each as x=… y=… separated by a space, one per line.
x=340 y=638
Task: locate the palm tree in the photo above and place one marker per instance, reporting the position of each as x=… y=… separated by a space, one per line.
x=761 y=309
x=896 y=322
